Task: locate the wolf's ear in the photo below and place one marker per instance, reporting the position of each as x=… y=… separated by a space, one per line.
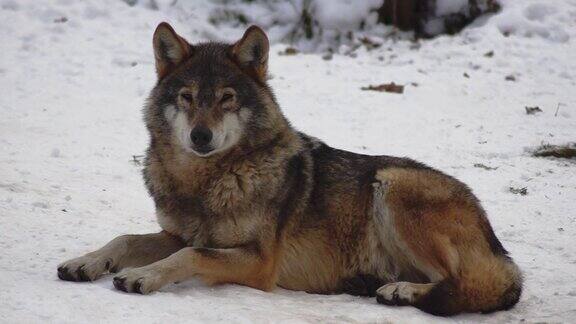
x=169 y=49
x=251 y=52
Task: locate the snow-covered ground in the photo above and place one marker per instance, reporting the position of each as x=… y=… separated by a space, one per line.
x=73 y=78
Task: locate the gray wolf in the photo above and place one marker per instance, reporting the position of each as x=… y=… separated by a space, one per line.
x=244 y=198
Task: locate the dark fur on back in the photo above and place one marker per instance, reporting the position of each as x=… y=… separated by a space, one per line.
x=356 y=172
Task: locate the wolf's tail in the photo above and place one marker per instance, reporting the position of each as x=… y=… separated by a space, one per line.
x=483 y=286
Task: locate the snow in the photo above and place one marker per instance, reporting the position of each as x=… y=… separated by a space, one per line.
x=446 y=7
x=536 y=18
x=333 y=20
x=344 y=14
x=74 y=76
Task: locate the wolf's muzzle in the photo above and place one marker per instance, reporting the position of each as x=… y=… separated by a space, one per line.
x=201 y=136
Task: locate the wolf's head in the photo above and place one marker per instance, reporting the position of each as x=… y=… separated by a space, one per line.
x=211 y=97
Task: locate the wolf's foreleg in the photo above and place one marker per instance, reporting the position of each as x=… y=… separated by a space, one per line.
x=244 y=265
x=123 y=251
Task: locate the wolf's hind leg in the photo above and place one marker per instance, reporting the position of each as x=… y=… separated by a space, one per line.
x=402 y=293
x=446 y=236
x=123 y=251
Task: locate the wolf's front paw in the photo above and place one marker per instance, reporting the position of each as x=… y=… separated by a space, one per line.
x=142 y=280
x=85 y=268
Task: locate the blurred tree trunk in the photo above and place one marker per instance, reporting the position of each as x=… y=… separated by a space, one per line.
x=415 y=14
x=404 y=14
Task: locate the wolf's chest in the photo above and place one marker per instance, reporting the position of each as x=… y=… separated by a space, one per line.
x=212 y=206
x=208 y=229
x=186 y=228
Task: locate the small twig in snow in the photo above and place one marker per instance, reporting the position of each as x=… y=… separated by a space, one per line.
x=558 y=109
x=566 y=151
x=137 y=159
x=485 y=167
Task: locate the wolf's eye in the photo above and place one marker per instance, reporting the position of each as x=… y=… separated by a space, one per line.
x=226 y=97
x=186 y=96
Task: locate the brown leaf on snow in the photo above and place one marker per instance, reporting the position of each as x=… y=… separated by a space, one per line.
x=518 y=191
x=532 y=110
x=489 y=54
x=385 y=87
x=289 y=51
x=369 y=43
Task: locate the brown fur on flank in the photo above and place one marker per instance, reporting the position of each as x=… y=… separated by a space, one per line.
x=243 y=198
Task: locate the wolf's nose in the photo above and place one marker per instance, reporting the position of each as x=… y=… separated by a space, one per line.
x=201 y=136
